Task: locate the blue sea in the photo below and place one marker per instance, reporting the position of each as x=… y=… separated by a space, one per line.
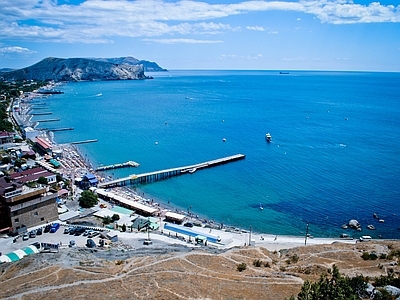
x=334 y=156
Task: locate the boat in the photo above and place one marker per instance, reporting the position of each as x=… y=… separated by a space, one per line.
x=371 y=227
x=375 y=216
x=268 y=137
x=283 y=73
x=224 y=139
x=261 y=207
x=344 y=226
x=191 y=171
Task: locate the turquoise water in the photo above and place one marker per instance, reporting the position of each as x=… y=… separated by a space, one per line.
x=335 y=153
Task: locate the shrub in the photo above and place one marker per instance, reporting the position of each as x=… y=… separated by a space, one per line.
x=241 y=267
x=267 y=264
x=365 y=255
x=115 y=217
x=257 y=263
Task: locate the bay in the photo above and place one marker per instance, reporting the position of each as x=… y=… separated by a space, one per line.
x=334 y=156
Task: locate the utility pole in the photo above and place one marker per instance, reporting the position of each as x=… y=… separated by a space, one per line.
x=250 y=236
x=305 y=241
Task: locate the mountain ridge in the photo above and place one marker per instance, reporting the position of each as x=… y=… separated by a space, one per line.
x=83 y=69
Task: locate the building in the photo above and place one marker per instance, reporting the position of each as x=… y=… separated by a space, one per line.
x=33 y=175
x=44 y=145
x=6 y=137
x=88 y=180
x=22 y=207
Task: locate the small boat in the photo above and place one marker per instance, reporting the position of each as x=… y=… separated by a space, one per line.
x=191 y=171
x=261 y=207
x=344 y=236
x=268 y=137
x=371 y=227
x=375 y=216
x=344 y=226
x=381 y=220
x=224 y=139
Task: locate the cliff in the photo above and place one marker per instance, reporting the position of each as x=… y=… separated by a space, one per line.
x=76 y=69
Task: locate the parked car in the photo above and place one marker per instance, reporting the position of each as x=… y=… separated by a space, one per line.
x=67 y=230
x=72 y=243
x=93 y=234
x=47 y=228
x=25 y=237
x=188 y=224
x=90 y=243
x=79 y=231
x=54 y=227
x=39 y=231
x=32 y=234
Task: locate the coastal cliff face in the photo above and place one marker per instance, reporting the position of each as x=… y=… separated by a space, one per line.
x=77 y=69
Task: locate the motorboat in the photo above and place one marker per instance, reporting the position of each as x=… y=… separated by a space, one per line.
x=268 y=137
x=191 y=171
x=261 y=207
x=371 y=227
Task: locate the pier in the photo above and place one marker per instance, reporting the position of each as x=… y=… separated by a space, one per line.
x=84 y=142
x=164 y=174
x=41 y=113
x=118 y=166
x=56 y=129
x=48 y=120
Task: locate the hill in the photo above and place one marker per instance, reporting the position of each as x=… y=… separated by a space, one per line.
x=76 y=69
x=178 y=272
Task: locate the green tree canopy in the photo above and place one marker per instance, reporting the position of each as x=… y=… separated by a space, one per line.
x=88 y=199
x=42 y=180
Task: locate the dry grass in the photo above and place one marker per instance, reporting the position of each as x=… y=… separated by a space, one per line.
x=186 y=275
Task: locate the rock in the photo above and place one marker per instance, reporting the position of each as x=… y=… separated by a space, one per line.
x=354 y=224
x=394 y=291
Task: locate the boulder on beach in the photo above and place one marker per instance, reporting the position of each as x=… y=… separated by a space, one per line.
x=354 y=224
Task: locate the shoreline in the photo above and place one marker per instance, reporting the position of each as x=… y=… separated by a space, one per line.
x=76 y=163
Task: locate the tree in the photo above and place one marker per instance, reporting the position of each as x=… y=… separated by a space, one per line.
x=42 y=180
x=115 y=217
x=88 y=199
x=107 y=220
x=123 y=227
x=333 y=286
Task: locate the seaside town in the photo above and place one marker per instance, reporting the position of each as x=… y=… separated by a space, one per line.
x=44 y=183
x=53 y=200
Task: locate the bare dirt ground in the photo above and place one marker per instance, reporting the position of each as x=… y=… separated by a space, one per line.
x=179 y=272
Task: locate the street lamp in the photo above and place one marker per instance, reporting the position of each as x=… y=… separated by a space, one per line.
x=305 y=240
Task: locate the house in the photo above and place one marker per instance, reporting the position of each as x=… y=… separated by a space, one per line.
x=22 y=207
x=6 y=137
x=89 y=180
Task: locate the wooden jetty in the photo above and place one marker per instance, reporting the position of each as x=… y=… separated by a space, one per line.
x=118 y=166
x=48 y=120
x=84 y=142
x=41 y=113
x=164 y=174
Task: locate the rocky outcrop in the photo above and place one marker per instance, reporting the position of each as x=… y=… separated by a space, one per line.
x=148 y=66
x=76 y=69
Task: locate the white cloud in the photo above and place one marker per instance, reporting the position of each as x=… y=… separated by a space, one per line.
x=255 y=28
x=241 y=57
x=98 y=21
x=182 y=41
x=15 y=49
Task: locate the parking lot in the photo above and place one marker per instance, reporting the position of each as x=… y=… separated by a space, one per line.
x=7 y=244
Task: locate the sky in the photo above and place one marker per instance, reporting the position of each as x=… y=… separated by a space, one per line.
x=359 y=35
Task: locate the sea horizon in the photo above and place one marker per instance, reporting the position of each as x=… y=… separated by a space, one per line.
x=324 y=126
